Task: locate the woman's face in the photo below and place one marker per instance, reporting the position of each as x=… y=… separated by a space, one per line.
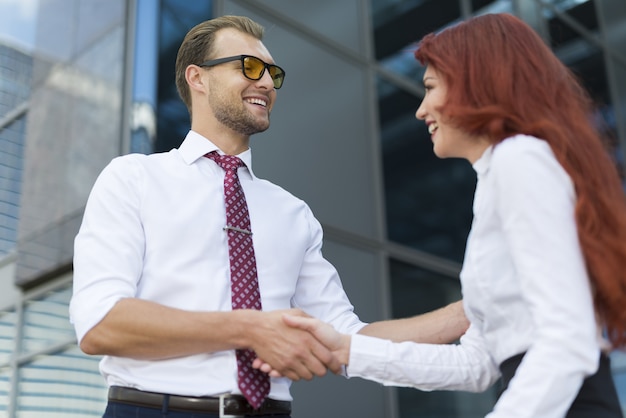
x=448 y=140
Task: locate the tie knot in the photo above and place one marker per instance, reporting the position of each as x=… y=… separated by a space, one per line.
x=227 y=162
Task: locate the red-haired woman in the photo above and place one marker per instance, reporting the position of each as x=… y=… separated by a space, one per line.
x=544 y=274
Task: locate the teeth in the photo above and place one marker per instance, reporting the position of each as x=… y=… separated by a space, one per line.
x=257 y=101
x=432 y=128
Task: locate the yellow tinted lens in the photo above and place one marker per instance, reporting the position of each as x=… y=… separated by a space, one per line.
x=277 y=75
x=253 y=68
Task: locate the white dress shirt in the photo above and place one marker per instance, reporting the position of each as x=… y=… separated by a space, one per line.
x=525 y=289
x=152 y=229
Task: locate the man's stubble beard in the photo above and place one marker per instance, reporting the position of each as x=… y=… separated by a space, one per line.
x=236 y=117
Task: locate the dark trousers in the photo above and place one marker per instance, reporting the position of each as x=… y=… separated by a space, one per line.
x=597 y=397
x=120 y=410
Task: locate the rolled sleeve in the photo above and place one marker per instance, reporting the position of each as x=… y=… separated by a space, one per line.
x=109 y=246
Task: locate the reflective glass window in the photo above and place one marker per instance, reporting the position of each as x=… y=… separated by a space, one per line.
x=574 y=32
x=618 y=367
x=177 y=17
x=8 y=332
x=5 y=388
x=428 y=200
x=46 y=321
x=414 y=291
x=15 y=77
x=61 y=385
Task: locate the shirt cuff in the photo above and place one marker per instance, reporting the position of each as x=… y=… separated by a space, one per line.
x=368 y=356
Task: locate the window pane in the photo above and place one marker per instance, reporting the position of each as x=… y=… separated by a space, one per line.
x=8 y=324
x=177 y=17
x=414 y=291
x=46 y=321
x=5 y=389
x=63 y=385
x=618 y=367
x=15 y=79
x=428 y=200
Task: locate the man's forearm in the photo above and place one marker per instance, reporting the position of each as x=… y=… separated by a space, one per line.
x=140 y=329
x=441 y=326
x=146 y=330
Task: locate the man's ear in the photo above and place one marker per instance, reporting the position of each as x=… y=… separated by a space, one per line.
x=193 y=75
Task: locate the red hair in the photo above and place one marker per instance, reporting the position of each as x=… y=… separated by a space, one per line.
x=502 y=80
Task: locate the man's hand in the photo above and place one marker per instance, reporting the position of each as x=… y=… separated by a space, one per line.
x=290 y=348
x=338 y=344
x=129 y=330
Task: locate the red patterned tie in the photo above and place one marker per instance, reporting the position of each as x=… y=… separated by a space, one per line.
x=254 y=384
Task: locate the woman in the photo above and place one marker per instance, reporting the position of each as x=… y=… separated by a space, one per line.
x=544 y=274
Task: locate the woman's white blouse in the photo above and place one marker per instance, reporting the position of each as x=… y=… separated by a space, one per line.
x=525 y=289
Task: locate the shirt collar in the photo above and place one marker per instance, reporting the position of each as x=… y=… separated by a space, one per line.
x=481 y=166
x=196 y=146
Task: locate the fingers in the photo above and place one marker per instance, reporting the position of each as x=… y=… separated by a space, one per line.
x=287 y=351
x=321 y=361
x=268 y=369
x=257 y=363
x=295 y=345
x=297 y=313
x=322 y=331
x=310 y=358
x=304 y=323
x=265 y=368
x=338 y=344
x=330 y=361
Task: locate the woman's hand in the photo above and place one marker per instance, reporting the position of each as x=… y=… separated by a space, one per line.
x=337 y=343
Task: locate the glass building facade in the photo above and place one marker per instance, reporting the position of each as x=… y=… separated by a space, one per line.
x=100 y=83
x=15 y=77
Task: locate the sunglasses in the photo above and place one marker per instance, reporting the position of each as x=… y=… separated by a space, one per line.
x=253 y=68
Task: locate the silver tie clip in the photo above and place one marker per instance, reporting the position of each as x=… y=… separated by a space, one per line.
x=233 y=228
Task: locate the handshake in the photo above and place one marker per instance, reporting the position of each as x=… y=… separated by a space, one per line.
x=290 y=343
x=298 y=346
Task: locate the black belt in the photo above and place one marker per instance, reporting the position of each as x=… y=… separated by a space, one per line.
x=230 y=404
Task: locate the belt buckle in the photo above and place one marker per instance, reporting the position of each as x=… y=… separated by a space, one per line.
x=222 y=414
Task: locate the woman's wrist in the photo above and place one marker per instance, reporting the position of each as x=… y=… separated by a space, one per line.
x=344 y=352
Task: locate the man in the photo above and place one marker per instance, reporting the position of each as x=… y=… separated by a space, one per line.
x=152 y=267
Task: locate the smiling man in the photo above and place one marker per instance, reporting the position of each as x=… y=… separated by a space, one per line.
x=186 y=261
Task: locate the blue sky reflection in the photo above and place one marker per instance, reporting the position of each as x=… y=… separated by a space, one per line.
x=18 y=23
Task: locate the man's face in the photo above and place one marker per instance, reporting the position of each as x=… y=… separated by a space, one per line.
x=238 y=103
